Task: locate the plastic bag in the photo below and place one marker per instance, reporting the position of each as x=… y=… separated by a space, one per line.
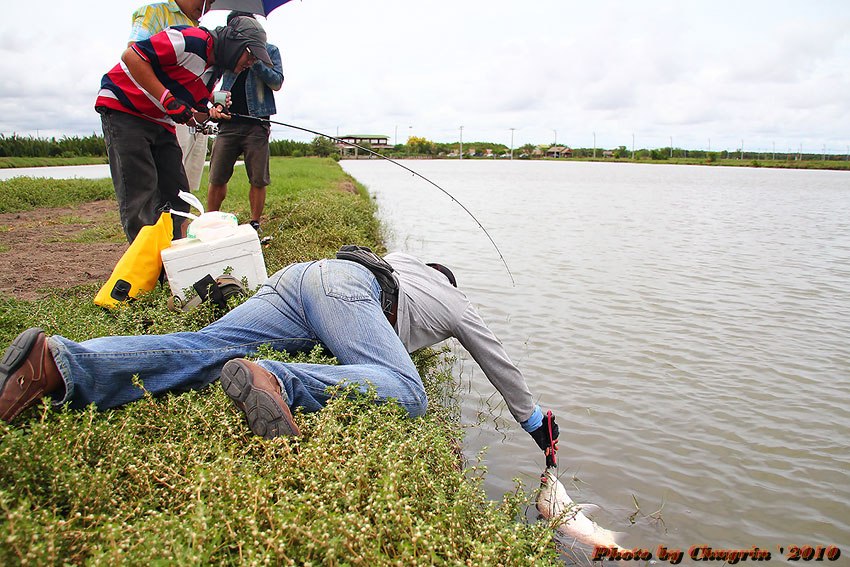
x=208 y=226
x=212 y=226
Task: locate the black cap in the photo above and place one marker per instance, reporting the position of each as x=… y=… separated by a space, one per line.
x=254 y=36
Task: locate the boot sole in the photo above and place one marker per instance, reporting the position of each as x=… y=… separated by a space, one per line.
x=17 y=353
x=265 y=416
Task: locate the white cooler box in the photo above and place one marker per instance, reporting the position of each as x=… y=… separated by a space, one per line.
x=189 y=259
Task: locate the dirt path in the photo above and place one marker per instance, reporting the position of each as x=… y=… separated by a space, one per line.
x=39 y=249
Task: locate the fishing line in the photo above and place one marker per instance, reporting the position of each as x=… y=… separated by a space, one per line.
x=417 y=174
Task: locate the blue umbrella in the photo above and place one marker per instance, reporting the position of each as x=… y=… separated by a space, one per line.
x=260 y=7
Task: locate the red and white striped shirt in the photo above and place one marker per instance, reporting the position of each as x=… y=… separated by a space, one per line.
x=180 y=58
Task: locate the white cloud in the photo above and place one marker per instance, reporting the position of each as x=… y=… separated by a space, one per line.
x=766 y=72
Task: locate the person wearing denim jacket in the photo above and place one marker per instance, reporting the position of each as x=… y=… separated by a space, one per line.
x=251 y=95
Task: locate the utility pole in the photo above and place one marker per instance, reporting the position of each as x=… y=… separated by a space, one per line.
x=671 y=146
x=594 y=145
x=461 y=142
x=633 y=145
x=742 y=149
x=512 y=142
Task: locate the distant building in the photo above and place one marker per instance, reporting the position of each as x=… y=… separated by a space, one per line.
x=559 y=152
x=373 y=142
x=607 y=153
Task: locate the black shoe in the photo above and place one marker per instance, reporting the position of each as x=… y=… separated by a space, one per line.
x=256 y=226
x=257 y=393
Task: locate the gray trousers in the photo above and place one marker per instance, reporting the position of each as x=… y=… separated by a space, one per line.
x=147 y=170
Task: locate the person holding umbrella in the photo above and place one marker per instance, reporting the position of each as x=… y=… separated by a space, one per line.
x=162 y=81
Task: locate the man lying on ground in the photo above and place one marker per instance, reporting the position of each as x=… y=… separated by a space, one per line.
x=369 y=312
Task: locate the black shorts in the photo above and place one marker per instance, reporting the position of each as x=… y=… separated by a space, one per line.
x=233 y=140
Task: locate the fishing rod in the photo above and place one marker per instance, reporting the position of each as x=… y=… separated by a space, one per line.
x=417 y=174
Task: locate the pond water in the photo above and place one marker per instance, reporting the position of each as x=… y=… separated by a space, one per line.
x=58 y=172
x=687 y=325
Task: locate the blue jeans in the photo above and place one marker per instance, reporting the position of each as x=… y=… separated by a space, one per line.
x=332 y=302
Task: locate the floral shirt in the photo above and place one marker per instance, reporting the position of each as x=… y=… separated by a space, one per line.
x=154 y=18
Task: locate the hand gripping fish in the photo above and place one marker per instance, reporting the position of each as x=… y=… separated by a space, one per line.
x=554 y=502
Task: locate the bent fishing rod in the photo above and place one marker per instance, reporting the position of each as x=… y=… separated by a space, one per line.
x=374 y=153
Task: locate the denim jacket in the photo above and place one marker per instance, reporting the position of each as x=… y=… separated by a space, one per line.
x=259 y=84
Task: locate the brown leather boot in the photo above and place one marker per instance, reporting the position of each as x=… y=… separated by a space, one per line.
x=27 y=373
x=257 y=392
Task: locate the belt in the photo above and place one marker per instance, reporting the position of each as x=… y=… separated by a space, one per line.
x=392 y=313
x=383 y=273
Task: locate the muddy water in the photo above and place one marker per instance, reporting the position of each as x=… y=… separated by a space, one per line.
x=689 y=326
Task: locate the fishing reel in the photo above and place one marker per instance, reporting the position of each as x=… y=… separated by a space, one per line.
x=206 y=128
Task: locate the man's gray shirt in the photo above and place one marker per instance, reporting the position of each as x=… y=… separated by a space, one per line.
x=431 y=310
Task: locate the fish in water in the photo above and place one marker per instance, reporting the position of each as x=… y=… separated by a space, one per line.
x=554 y=502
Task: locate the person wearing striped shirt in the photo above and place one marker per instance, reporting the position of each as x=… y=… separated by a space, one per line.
x=151 y=19
x=159 y=82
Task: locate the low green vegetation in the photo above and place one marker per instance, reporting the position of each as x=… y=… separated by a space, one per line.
x=180 y=480
x=24 y=193
x=15 y=161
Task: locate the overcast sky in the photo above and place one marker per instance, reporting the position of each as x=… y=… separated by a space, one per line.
x=773 y=74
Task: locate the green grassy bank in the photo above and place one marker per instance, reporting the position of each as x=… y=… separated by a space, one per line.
x=14 y=161
x=179 y=480
x=840 y=165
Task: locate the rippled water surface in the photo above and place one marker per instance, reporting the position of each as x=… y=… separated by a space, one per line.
x=688 y=325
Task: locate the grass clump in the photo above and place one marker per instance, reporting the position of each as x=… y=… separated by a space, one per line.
x=180 y=479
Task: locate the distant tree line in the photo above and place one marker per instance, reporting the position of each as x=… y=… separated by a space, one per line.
x=94 y=146
x=28 y=146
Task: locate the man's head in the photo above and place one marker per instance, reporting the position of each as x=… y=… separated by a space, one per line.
x=241 y=42
x=194 y=8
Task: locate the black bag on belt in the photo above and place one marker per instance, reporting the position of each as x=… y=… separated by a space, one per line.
x=382 y=271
